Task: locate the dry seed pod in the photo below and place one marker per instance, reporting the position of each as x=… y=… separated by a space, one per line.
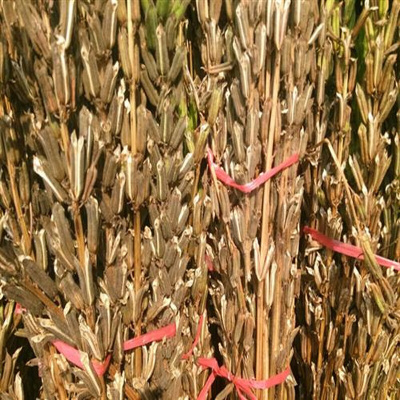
x=67 y=17
x=162 y=189
x=96 y=33
x=149 y=62
x=180 y=226
x=124 y=53
x=117 y=196
x=45 y=84
x=109 y=82
x=178 y=133
x=110 y=23
x=149 y=89
x=237 y=139
x=34 y=27
x=25 y=298
x=40 y=167
x=177 y=63
x=21 y=86
x=23 y=184
x=166 y=121
x=116 y=281
x=40 y=277
x=71 y=291
x=245 y=74
x=171 y=32
x=77 y=165
x=60 y=72
x=110 y=169
x=41 y=249
x=62 y=226
x=151 y=27
x=7 y=263
x=215 y=104
x=51 y=149
x=201 y=143
x=92 y=212
x=162 y=51
x=237 y=99
x=91 y=71
x=242 y=22
x=116 y=111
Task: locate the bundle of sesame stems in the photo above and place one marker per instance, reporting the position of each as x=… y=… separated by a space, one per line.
x=159 y=160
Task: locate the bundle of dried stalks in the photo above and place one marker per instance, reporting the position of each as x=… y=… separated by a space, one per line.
x=98 y=179
x=349 y=310
x=255 y=102
x=113 y=225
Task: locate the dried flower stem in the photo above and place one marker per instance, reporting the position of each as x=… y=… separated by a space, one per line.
x=18 y=209
x=136 y=213
x=276 y=307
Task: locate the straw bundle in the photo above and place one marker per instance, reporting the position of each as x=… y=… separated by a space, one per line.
x=158 y=163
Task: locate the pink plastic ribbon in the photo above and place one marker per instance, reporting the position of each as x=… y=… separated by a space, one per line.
x=196 y=339
x=73 y=355
x=347 y=249
x=19 y=309
x=248 y=187
x=243 y=386
x=153 y=336
x=209 y=263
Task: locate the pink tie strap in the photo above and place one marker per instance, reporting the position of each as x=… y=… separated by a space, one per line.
x=347 y=249
x=241 y=385
x=248 y=187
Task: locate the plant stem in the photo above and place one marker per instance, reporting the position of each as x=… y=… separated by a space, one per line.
x=136 y=212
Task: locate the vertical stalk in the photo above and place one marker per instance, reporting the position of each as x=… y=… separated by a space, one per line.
x=136 y=212
x=262 y=335
x=266 y=212
x=27 y=246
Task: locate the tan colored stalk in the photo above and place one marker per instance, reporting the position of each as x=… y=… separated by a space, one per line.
x=276 y=306
x=136 y=213
x=27 y=246
x=261 y=354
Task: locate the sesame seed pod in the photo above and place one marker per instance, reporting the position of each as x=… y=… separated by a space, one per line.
x=151 y=26
x=237 y=139
x=149 y=89
x=24 y=184
x=40 y=167
x=159 y=241
x=123 y=52
x=242 y=22
x=110 y=169
x=25 y=298
x=109 y=82
x=162 y=51
x=116 y=112
x=163 y=8
x=178 y=133
x=171 y=32
x=40 y=277
x=166 y=121
x=177 y=64
x=92 y=213
x=117 y=195
x=46 y=86
x=215 y=104
x=149 y=62
x=96 y=34
x=109 y=26
x=162 y=189
x=77 y=165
